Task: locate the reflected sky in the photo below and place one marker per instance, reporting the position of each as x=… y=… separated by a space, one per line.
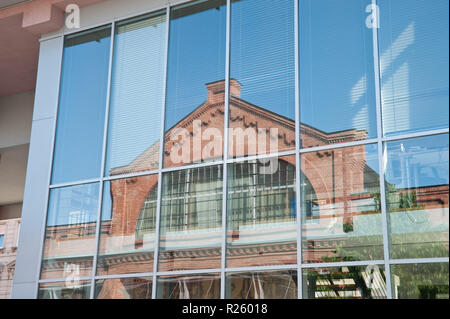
x=413 y=41
x=136 y=89
x=73 y=205
x=336 y=66
x=196 y=56
x=418 y=162
x=262 y=53
x=82 y=103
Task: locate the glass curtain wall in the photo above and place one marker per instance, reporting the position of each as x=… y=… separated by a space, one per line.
x=334 y=182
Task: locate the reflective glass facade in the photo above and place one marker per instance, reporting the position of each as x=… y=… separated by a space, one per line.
x=253 y=149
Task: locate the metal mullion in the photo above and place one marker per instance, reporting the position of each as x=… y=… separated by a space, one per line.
x=46 y=281
x=225 y=151
x=132 y=275
x=344 y=264
x=413 y=135
x=297 y=150
x=262 y=268
x=419 y=260
x=102 y=170
x=338 y=145
x=135 y=174
x=384 y=218
x=50 y=170
x=189 y=272
x=76 y=183
x=259 y=156
x=161 y=157
x=147 y=13
x=191 y=166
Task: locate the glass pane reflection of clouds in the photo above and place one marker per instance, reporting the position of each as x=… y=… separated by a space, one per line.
x=262 y=228
x=341 y=212
x=124 y=288
x=128 y=225
x=136 y=95
x=414 y=66
x=70 y=232
x=201 y=286
x=347 y=282
x=337 y=91
x=82 y=104
x=417 y=194
x=195 y=82
x=191 y=219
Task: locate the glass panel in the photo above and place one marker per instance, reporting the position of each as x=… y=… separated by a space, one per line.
x=202 y=286
x=195 y=83
x=136 y=95
x=337 y=98
x=127 y=235
x=417 y=187
x=347 y=282
x=414 y=65
x=65 y=290
x=262 y=71
x=81 y=111
x=341 y=213
x=124 y=288
x=420 y=281
x=262 y=285
x=70 y=233
x=191 y=219
x=262 y=228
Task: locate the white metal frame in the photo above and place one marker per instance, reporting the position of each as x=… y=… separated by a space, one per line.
x=380 y=140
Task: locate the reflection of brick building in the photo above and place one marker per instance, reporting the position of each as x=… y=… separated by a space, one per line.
x=242 y=115
x=9 y=230
x=335 y=183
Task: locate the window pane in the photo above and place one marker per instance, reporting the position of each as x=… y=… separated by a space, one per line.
x=341 y=213
x=195 y=83
x=128 y=225
x=70 y=233
x=124 y=288
x=262 y=228
x=202 y=286
x=337 y=97
x=420 y=281
x=347 y=282
x=417 y=187
x=262 y=285
x=136 y=95
x=414 y=65
x=262 y=71
x=191 y=219
x=65 y=290
x=81 y=111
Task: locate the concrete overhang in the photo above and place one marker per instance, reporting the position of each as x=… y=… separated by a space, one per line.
x=21 y=25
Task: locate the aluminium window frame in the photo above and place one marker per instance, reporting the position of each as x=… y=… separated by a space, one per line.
x=380 y=140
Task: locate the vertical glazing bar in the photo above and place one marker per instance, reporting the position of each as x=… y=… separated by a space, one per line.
x=44 y=222
x=381 y=162
x=297 y=148
x=102 y=170
x=225 y=151
x=161 y=155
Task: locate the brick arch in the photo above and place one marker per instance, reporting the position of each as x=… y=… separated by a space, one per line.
x=314 y=176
